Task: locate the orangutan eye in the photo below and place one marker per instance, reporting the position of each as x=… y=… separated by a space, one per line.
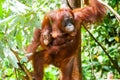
x=68 y=24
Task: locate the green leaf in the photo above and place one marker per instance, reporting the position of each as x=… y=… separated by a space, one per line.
x=6 y=20
x=24 y=59
x=1 y=50
x=19 y=39
x=18 y=7
x=1 y=10
x=11 y=57
x=111 y=39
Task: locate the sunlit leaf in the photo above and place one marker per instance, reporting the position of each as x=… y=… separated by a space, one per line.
x=18 y=7
x=111 y=39
x=6 y=20
x=117 y=39
x=11 y=57
x=1 y=10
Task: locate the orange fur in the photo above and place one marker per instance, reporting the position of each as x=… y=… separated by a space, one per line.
x=61 y=46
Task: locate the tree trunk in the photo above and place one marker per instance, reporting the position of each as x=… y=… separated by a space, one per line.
x=75 y=3
x=77 y=69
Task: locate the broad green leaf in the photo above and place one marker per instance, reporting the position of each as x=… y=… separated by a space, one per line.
x=11 y=57
x=6 y=20
x=19 y=39
x=18 y=7
x=1 y=10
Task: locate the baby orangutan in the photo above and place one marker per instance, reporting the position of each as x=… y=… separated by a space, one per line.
x=60 y=37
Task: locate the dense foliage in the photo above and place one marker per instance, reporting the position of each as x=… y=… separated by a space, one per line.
x=19 y=18
x=95 y=61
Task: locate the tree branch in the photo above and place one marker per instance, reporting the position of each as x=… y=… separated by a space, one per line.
x=111 y=9
x=115 y=64
x=22 y=66
x=69 y=5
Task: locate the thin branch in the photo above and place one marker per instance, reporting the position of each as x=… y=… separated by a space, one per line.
x=16 y=73
x=115 y=64
x=22 y=66
x=111 y=9
x=69 y=5
x=92 y=66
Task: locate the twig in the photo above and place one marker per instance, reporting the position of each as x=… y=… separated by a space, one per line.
x=111 y=9
x=92 y=66
x=115 y=64
x=16 y=73
x=69 y=5
x=22 y=66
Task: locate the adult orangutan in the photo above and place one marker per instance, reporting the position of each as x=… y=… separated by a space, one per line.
x=60 y=37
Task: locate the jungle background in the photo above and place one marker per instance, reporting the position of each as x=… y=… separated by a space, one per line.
x=19 y=18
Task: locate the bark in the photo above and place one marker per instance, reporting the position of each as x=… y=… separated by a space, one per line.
x=74 y=3
x=77 y=69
